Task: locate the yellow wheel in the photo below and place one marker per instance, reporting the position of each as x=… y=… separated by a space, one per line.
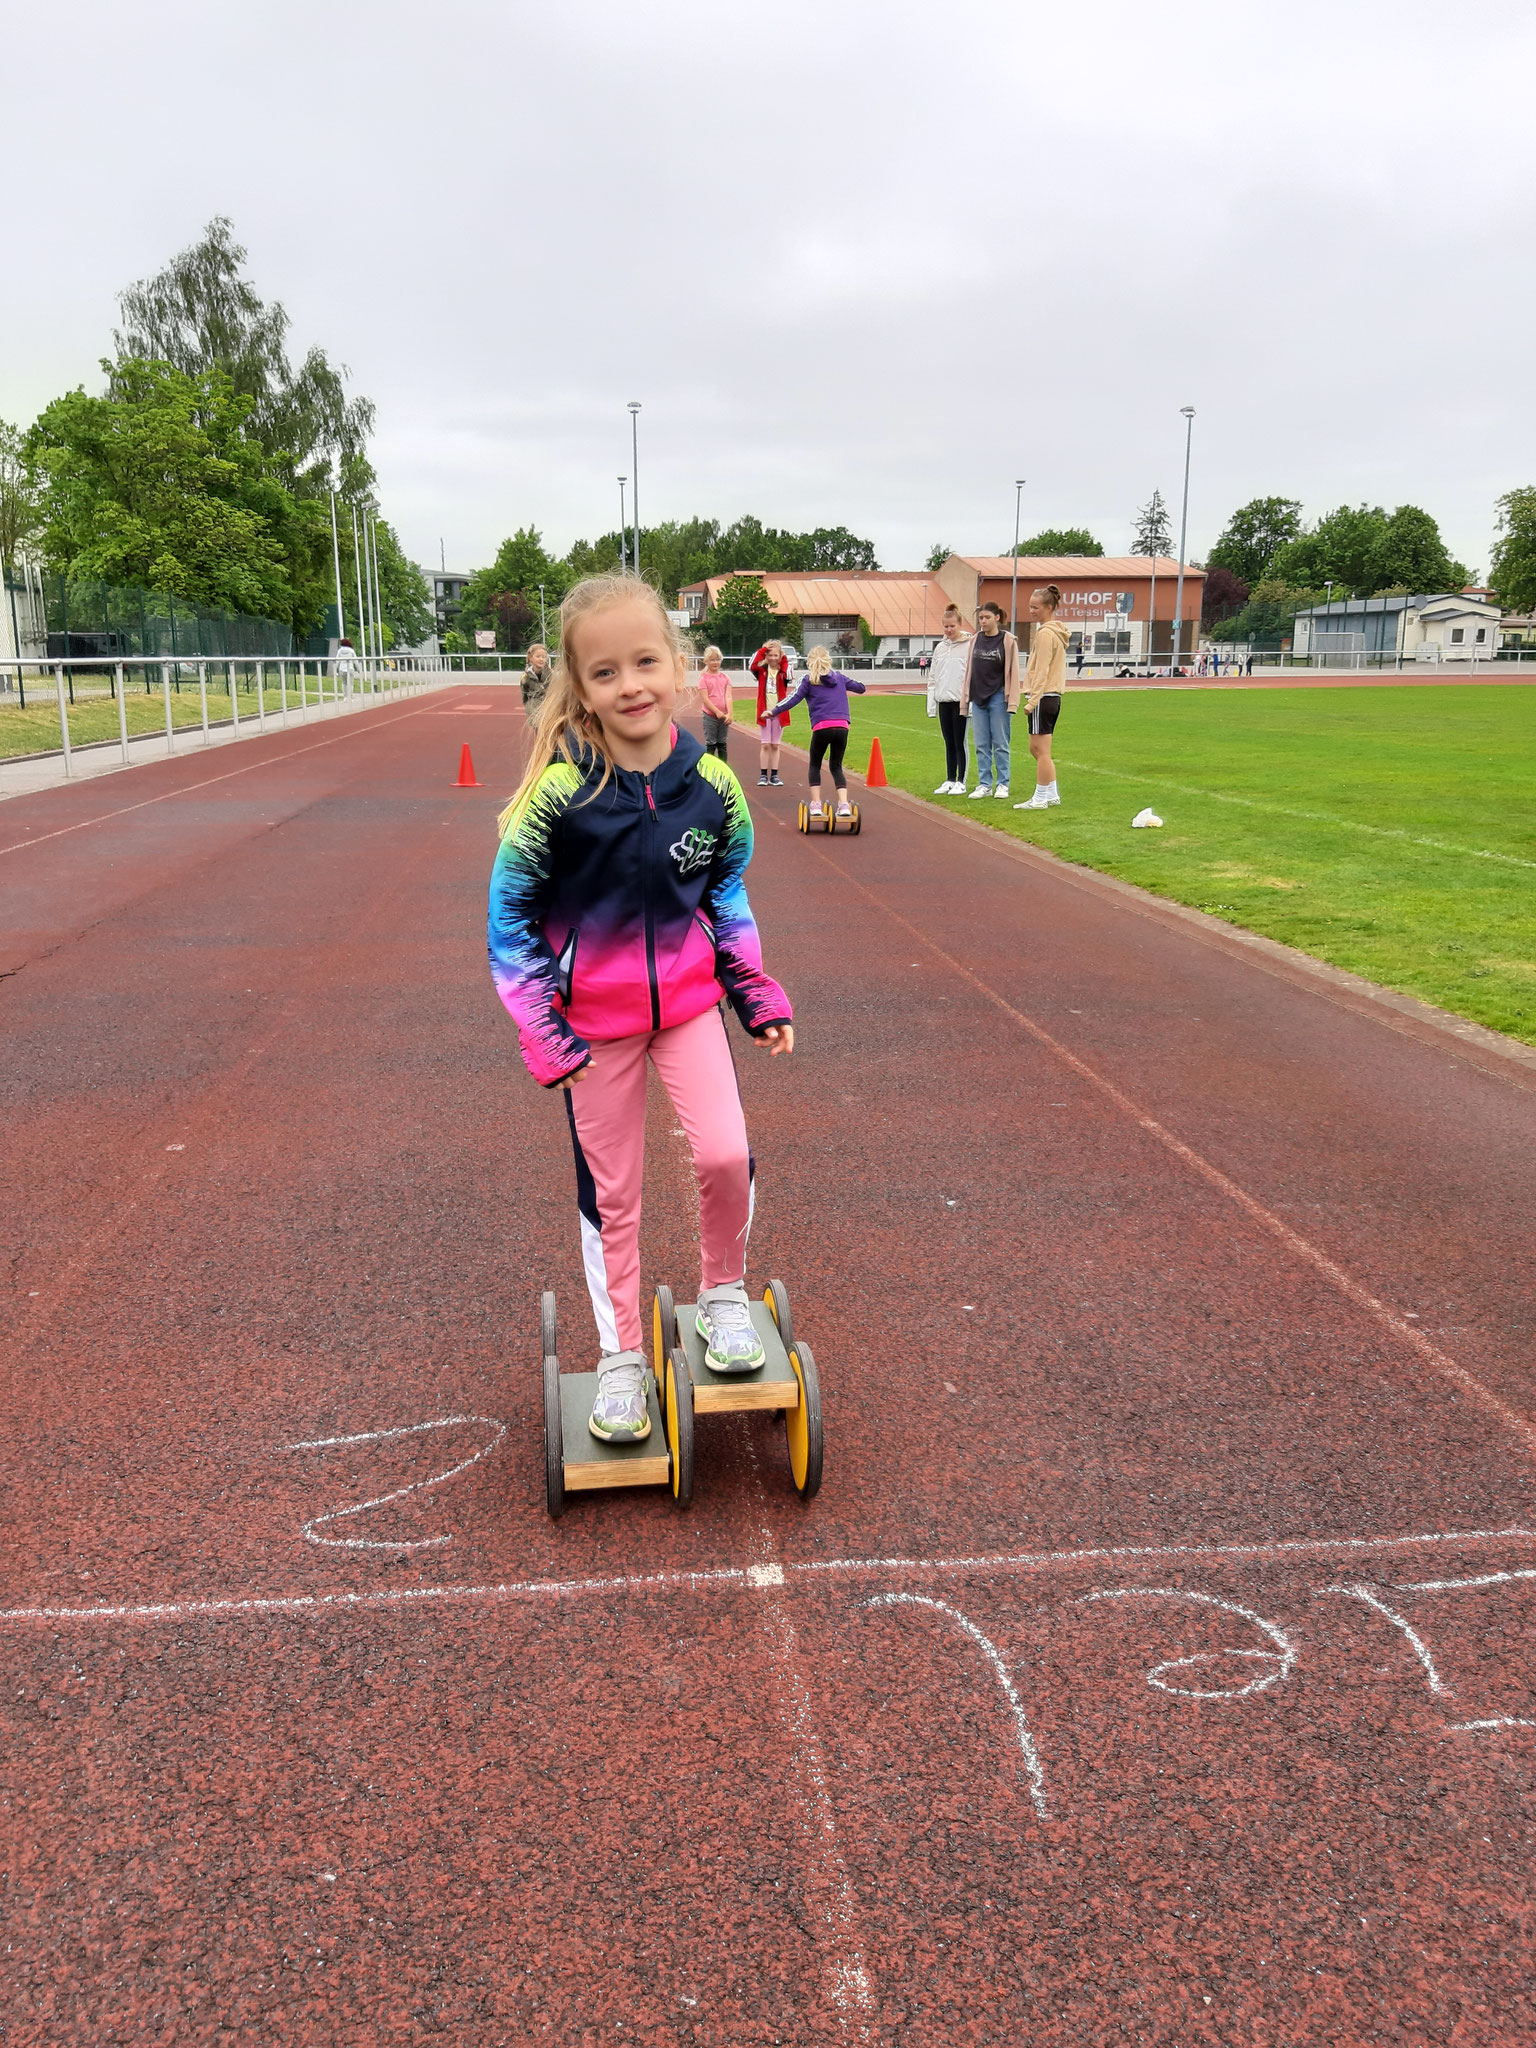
x=802 y=1424
x=805 y=817
x=854 y=821
x=679 y=1414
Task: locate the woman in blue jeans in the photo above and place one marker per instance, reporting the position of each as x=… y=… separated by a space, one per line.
x=990 y=695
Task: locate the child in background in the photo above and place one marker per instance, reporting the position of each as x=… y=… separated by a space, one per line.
x=618 y=927
x=824 y=692
x=770 y=665
x=715 y=690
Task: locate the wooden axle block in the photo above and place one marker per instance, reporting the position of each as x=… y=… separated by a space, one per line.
x=589 y=1462
x=772 y=1385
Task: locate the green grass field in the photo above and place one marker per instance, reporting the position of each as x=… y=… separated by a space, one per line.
x=1388 y=831
x=93 y=715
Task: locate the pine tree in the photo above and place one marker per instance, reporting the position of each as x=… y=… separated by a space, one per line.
x=1154 y=533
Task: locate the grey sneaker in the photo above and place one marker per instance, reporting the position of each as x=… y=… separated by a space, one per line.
x=725 y=1324
x=619 y=1413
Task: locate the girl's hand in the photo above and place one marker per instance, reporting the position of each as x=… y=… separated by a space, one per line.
x=568 y=1081
x=778 y=1038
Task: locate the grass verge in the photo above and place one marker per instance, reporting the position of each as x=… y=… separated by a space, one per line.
x=93 y=715
x=1389 y=832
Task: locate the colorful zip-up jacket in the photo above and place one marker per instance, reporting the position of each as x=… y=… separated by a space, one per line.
x=626 y=910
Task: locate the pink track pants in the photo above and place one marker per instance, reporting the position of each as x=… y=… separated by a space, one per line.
x=607 y=1115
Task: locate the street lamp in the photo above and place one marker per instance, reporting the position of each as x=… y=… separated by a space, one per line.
x=623 y=531
x=1018 y=499
x=634 y=470
x=543 y=621
x=1178 y=604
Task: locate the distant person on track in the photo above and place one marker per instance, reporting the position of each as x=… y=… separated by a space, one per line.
x=346 y=664
x=536 y=675
x=613 y=943
x=946 y=686
x=1044 y=681
x=990 y=696
x=824 y=693
x=715 y=692
x=770 y=665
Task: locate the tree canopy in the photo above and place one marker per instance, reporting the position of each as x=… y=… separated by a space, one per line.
x=1153 y=534
x=505 y=596
x=742 y=616
x=1060 y=540
x=1363 y=551
x=1513 y=574
x=938 y=555
x=1253 y=534
x=1269 y=616
x=18 y=493
x=680 y=552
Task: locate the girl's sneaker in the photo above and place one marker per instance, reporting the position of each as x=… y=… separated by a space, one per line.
x=762 y=780
x=725 y=1323
x=619 y=1413
x=776 y=781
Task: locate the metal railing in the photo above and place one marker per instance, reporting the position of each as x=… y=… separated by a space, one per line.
x=259 y=691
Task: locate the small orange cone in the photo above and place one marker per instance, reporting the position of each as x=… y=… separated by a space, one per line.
x=467 y=769
x=875 y=779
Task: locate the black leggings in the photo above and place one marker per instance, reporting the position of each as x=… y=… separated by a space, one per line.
x=952 y=723
x=832 y=742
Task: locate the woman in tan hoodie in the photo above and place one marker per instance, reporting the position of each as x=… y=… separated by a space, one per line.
x=1044 y=680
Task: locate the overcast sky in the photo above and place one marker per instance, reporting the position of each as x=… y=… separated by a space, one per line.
x=864 y=261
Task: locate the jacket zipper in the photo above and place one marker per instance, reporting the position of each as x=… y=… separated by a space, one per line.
x=650 y=917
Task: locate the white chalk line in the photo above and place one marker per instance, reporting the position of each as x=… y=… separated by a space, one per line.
x=1284 y=1654
x=1250 y=803
x=765 y=1575
x=362 y=1507
x=1411 y=1635
x=1499 y=1721
x=187 y=789
x=1033 y=1770
x=1452 y=1585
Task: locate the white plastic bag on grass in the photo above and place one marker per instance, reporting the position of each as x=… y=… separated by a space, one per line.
x=1146 y=817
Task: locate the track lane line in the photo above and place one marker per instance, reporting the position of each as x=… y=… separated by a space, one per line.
x=1310 y=1254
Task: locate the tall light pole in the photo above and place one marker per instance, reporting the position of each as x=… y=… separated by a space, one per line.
x=623 y=530
x=378 y=585
x=357 y=577
x=543 y=621
x=634 y=472
x=341 y=617
x=1018 y=499
x=1178 y=603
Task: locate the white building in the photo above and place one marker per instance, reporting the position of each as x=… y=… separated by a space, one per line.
x=1356 y=630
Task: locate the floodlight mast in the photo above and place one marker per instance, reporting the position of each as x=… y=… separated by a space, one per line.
x=1018 y=499
x=1188 y=412
x=623 y=529
x=634 y=473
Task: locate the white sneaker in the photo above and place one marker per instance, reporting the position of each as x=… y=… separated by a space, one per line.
x=1038 y=802
x=1001 y=789
x=945 y=789
x=981 y=789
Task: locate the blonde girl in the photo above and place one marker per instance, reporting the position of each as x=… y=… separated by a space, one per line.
x=715 y=694
x=824 y=692
x=1044 y=680
x=535 y=675
x=619 y=925
x=770 y=665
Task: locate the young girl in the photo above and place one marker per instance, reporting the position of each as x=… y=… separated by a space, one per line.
x=715 y=690
x=1044 y=680
x=618 y=922
x=825 y=694
x=770 y=665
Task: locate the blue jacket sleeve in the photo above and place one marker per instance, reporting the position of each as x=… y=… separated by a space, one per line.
x=523 y=965
x=754 y=995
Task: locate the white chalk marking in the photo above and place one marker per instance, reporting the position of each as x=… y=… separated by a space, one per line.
x=1285 y=1659
x=362 y=1507
x=1414 y=1640
x=765 y=1575
x=1501 y=1721
x=1032 y=1766
x=1451 y=1585
x=646 y=1582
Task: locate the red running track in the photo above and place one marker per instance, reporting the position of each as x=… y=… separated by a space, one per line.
x=1155 y=1665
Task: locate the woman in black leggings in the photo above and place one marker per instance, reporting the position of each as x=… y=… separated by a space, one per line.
x=825 y=695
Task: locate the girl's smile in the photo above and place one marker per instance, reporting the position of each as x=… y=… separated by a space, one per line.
x=628 y=676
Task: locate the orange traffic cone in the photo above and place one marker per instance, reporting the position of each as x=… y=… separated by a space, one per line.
x=467 y=769
x=875 y=779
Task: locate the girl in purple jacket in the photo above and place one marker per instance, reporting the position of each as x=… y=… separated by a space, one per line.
x=825 y=695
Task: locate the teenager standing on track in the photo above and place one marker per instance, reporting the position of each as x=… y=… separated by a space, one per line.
x=946 y=687
x=824 y=692
x=990 y=695
x=1044 y=681
x=618 y=926
x=770 y=665
x=715 y=691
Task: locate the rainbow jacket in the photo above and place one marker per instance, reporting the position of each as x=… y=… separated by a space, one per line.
x=623 y=910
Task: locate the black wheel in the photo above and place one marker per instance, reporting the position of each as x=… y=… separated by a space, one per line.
x=554 y=1437
x=547 y=1339
x=679 y=1422
x=802 y=1425
x=776 y=1294
x=663 y=1337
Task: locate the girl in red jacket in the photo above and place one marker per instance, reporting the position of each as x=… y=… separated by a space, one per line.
x=770 y=665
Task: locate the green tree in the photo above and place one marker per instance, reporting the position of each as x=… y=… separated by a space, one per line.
x=1269 y=616
x=1252 y=536
x=157 y=483
x=405 y=596
x=1153 y=534
x=18 y=494
x=1060 y=540
x=1513 y=574
x=742 y=616
x=1362 y=551
x=521 y=565
x=938 y=555
x=201 y=314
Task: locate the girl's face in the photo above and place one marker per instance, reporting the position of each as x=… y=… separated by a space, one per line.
x=712 y=662
x=952 y=629
x=989 y=622
x=1039 y=607
x=628 y=675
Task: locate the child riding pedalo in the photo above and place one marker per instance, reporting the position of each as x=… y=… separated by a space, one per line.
x=619 y=926
x=824 y=692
